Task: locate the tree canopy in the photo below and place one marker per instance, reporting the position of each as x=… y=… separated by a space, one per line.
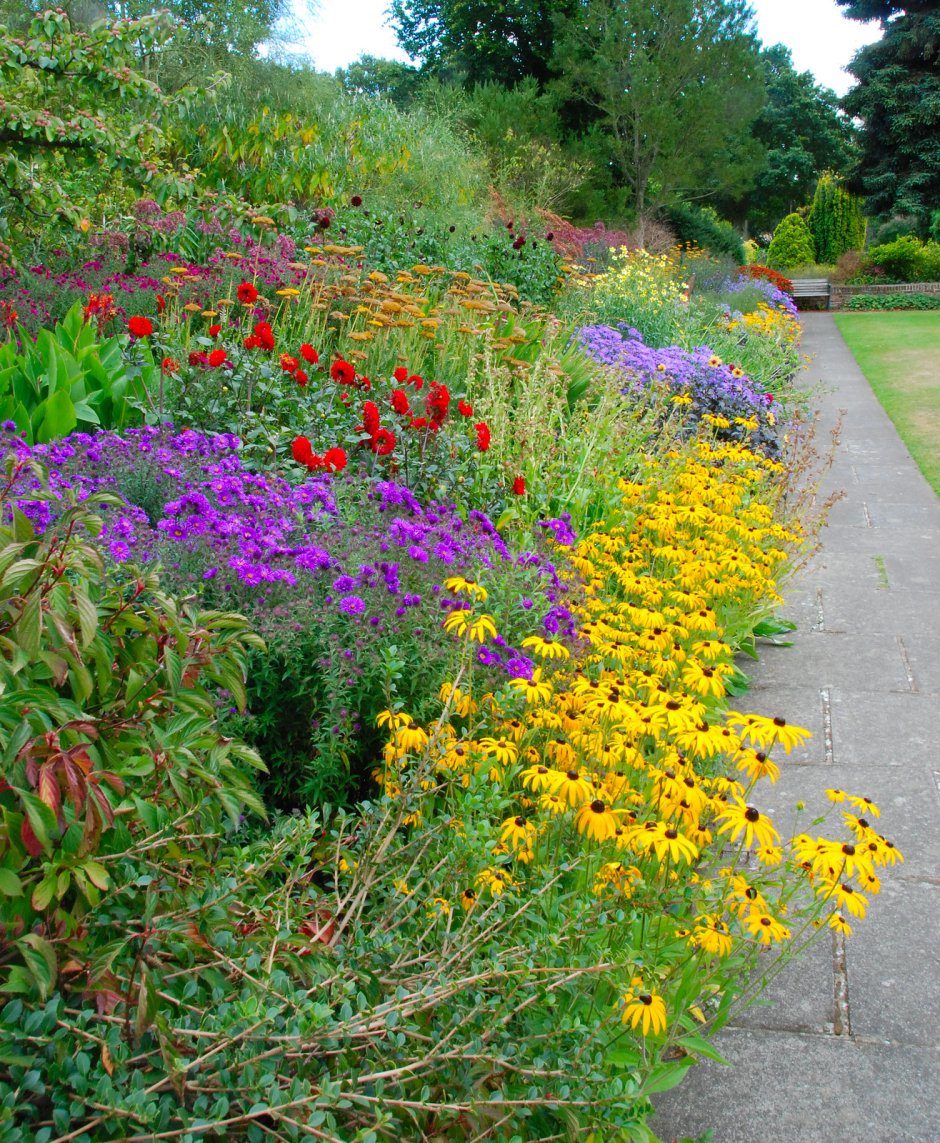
x=803 y=133
x=674 y=87
x=897 y=100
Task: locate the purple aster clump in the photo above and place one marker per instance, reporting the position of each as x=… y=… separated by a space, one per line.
x=712 y=387
x=259 y=543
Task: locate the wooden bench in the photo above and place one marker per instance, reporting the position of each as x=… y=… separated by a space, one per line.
x=813 y=288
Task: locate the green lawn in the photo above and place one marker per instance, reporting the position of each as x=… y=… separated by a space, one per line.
x=899 y=353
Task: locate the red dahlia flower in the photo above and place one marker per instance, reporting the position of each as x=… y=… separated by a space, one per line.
x=246 y=293
x=288 y=363
x=334 y=459
x=464 y=409
x=382 y=443
x=300 y=377
x=252 y=341
x=343 y=372
x=264 y=334
x=400 y=402
x=140 y=327
x=198 y=358
x=483 y=436
x=438 y=402
x=418 y=423
x=161 y=303
x=169 y=365
x=301 y=450
x=370 y=418
x=214 y=330
x=518 y=486
x=309 y=354
x=400 y=374
x=216 y=357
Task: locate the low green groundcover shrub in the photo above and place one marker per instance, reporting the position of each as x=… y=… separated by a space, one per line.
x=893 y=302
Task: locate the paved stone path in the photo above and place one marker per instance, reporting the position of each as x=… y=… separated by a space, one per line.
x=848 y=1049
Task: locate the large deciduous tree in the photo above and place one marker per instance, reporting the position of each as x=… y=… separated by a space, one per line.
x=478 y=41
x=897 y=100
x=803 y=132
x=672 y=84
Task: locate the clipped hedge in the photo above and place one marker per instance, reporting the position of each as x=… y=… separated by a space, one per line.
x=893 y=302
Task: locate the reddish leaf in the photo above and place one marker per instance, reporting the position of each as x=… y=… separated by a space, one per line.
x=30 y=842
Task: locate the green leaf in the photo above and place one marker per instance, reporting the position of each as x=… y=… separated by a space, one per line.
x=10 y=884
x=665 y=1077
x=29 y=626
x=698 y=1046
x=41 y=818
x=41 y=961
x=58 y=417
x=87 y=614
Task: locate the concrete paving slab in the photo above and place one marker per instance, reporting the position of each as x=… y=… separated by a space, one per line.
x=865 y=677
x=785 y=1088
x=862 y=663
x=893 y=967
x=923 y=654
x=797 y=999
x=884 y=730
x=846 y=607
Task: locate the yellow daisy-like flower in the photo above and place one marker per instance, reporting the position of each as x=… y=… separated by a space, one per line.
x=536 y=689
x=393 y=719
x=552 y=803
x=838 y=922
x=756 y=764
x=665 y=841
x=616 y=877
x=457 y=584
x=765 y=928
x=518 y=833
x=864 y=805
x=496 y=880
x=574 y=788
x=547 y=648
x=768 y=732
x=836 y=795
x=468 y=898
x=739 y=818
x=712 y=936
x=411 y=738
x=504 y=751
x=596 y=820
x=540 y=778
x=644 y=1010
x=288 y=292
x=483 y=628
x=845 y=897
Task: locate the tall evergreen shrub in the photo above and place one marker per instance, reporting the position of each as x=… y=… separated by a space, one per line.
x=835 y=220
x=791 y=245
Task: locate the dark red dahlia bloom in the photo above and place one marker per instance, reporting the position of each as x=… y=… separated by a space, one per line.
x=334 y=459
x=301 y=450
x=214 y=330
x=300 y=377
x=264 y=335
x=464 y=409
x=383 y=441
x=400 y=374
x=370 y=418
x=140 y=327
x=483 y=436
x=216 y=357
x=518 y=486
x=288 y=363
x=246 y=293
x=309 y=354
x=437 y=402
x=400 y=402
x=343 y=372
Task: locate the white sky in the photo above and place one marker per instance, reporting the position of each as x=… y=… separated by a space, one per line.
x=821 y=39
